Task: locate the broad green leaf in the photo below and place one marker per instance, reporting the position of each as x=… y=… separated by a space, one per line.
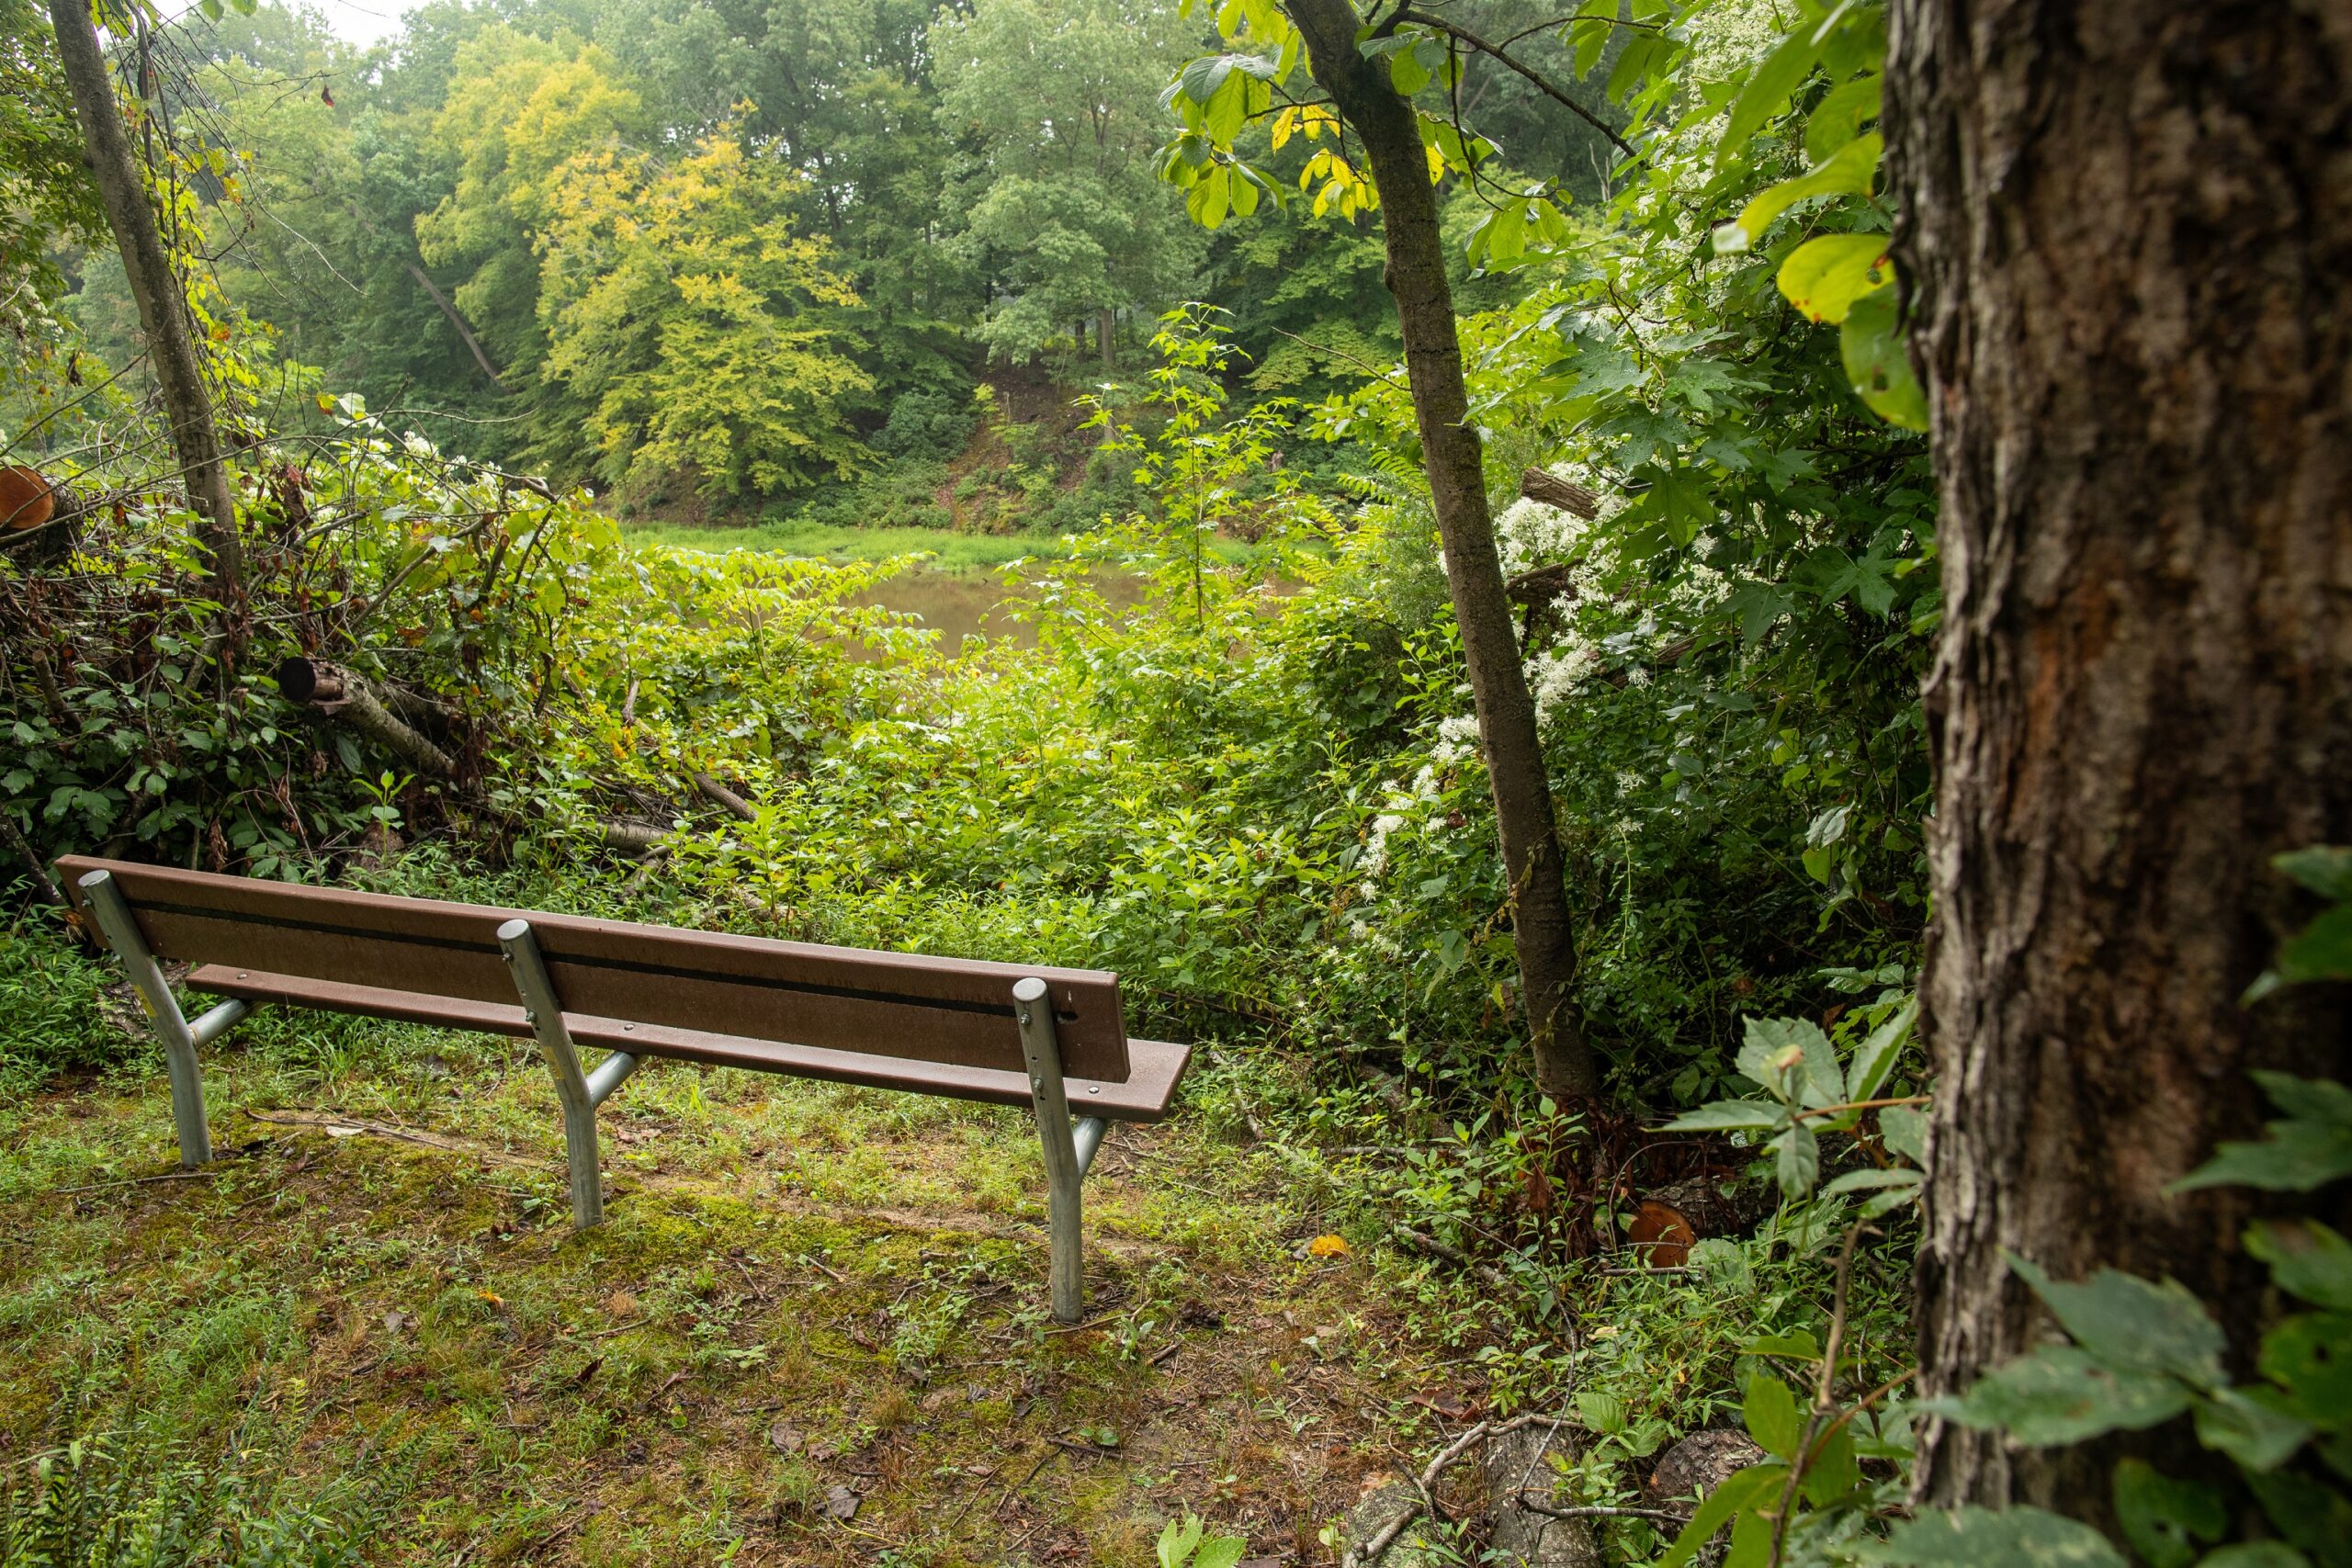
x=2310 y=1514
x=2307 y=1261
x=2310 y=1356
x=1770 y=1410
x=1871 y=343
x=1905 y=1131
x=1841 y=115
x=1722 y=1265
x=1742 y=1489
x=1874 y=1057
x=2163 y=1518
x=2132 y=1324
x=2321 y=951
x=1796 y=1162
x=2325 y=869
x=1832 y=1473
x=1725 y=1115
x=2056 y=1394
x=1791 y=1059
x=1847 y=171
x=1767 y=89
x=2246 y=1424
x=1823 y=277
x=2297 y=1157
x=1868 y=1180
x=2255 y=1555
x=1983 y=1537
x=2308 y=1099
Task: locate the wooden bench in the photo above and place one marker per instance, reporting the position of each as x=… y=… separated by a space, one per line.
x=1009 y=1035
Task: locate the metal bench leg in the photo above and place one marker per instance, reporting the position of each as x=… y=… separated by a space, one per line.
x=179 y=1036
x=1064 y=1171
x=543 y=1013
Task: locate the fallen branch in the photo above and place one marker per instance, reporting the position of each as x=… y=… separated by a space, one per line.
x=632 y=837
x=1527 y=1500
x=1370 y=1551
x=30 y=860
x=719 y=795
x=1541 y=484
x=337 y=694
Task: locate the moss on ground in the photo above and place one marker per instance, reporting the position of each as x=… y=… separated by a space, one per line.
x=806 y=1297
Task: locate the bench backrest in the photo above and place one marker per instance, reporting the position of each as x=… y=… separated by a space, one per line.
x=845 y=998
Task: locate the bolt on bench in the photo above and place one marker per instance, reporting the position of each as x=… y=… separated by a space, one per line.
x=1052 y=1039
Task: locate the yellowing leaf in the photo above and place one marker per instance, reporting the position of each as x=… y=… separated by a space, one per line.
x=1823 y=278
x=1327 y=1247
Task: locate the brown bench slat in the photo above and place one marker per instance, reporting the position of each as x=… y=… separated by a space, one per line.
x=948 y=1012
x=1145 y=1096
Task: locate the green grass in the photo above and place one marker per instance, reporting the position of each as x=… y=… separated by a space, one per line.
x=954 y=552
x=800 y=1288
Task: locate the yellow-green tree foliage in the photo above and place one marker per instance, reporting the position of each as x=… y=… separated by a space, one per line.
x=688 y=321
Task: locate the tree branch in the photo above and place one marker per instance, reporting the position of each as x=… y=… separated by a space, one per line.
x=1496 y=51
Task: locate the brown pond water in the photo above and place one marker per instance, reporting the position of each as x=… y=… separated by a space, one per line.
x=963 y=605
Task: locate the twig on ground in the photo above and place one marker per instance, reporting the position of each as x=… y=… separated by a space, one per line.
x=127 y=1181
x=1599 y=1511
x=1357 y=1556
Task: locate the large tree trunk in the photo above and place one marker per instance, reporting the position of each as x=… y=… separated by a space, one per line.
x=1523 y=794
x=163 y=309
x=2127 y=229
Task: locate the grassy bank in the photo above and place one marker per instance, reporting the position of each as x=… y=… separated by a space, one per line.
x=813 y=1330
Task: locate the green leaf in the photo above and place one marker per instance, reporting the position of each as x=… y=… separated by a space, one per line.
x=2132 y=1324
x=2308 y=1099
x=1832 y=1471
x=1770 y=1410
x=2321 y=951
x=2163 y=1518
x=2325 y=869
x=2298 y=1157
x=1823 y=277
x=1722 y=1265
x=1981 y=1537
x=1725 y=1115
x=1793 y=1059
x=2313 y=1515
x=1875 y=1056
x=1769 y=88
x=1796 y=1164
x=1741 y=1490
x=2246 y=1424
x=1905 y=1131
x=1847 y=171
x=2057 y=1393
x=1841 y=115
x=1867 y=1180
x=2307 y=1261
x=1877 y=363
x=2310 y=1356
x=2255 y=1555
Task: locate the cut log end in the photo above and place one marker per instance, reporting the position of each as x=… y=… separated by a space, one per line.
x=309 y=681
x=25 y=499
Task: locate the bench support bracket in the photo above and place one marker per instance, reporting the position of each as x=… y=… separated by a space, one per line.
x=544 y=1012
x=179 y=1037
x=1064 y=1170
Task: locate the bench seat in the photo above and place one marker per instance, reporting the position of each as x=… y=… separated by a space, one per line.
x=1156 y=1068
x=1050 y=1038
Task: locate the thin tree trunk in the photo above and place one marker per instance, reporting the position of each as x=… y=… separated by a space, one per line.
x=464 y=331
x=1106 y=327
x=1522 y=793
x=2127 y=237
x=163 y=309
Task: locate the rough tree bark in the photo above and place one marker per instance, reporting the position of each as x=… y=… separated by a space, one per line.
x=1545 y=935
x=2127 y=232
x=163 y=309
